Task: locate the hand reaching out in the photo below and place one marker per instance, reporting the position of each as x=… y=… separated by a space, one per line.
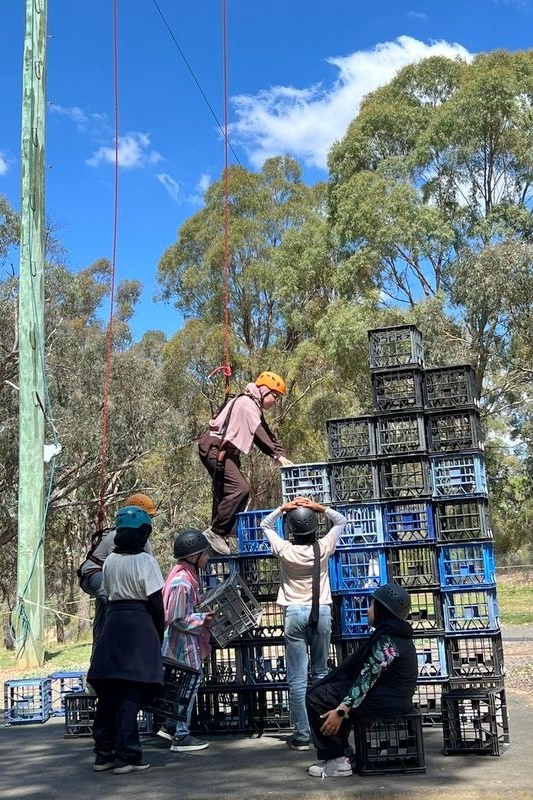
x=285 y=462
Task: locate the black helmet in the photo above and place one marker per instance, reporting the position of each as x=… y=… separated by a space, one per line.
x=301 y=522
x=395 y=598
x=189 y=542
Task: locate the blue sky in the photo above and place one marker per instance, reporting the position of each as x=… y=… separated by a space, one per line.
x=297 y=71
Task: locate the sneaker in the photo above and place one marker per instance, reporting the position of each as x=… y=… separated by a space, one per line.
x=103 y=762
x=333 y=768
x=165 y=733
x=297 y=744
x=218 y=544
x=187 y=744
x=121 y=767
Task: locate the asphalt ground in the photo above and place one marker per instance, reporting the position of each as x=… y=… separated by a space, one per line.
x=36 y=761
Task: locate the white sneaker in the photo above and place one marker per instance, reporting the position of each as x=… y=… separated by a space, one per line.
x=218 y=544
x=333 y=768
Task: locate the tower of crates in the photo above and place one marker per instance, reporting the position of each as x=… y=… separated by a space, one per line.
x=410 y=478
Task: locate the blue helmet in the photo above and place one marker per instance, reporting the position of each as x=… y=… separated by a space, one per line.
x=132 y=517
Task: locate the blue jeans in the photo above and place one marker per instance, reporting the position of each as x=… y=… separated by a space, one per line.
x=183 y=726
x=307 y=656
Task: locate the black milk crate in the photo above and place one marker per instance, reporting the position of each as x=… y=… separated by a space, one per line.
x=426 y=611
x=80 y=709
x=364 y=527
x=61 y=684
x=27 y=700
x=475 y=657
x=458 y=475
x=353 y=570
x=413 y=566
x=389 y=744
x=223 y=666
x=450 y=387
x=431 y=655
x=398 y=434
x=346 y=647
x=235 y=610
x=427 y=700
x=270 y=625
x=470 y=610
x=145 y=723
x=397 y=346
x=216 y=571
x=261 y=574
x=179 y=683
x=475 y=721
x=398 y=390
x=352 y=437
x=408 y=523
x=351 y=614
x=219 y=711
x=454 y=431
x=269 y=708
x=462 y=520
x=306 y=480
x=250 y=536
x=404 y=477
x=264 y=663
x=354 y=481
x=467 y=564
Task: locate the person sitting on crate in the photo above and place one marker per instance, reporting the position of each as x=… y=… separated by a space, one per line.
x=187 y=631
x=127 y=668
x=90 y=570
x=378 y=679
x=305 y=594
x=234 y=430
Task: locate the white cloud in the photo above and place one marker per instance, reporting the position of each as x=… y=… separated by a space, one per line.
x=74 y=113
x=306 y=122
x=133 y=152
x=417 y=15
x=4 y=164
x=197 y=197
x=170 y=185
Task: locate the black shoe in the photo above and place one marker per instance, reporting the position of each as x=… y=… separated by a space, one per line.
x=187 y=744
x=103 y=761
x=122 y=767
x=165 y=733
x=297 y=744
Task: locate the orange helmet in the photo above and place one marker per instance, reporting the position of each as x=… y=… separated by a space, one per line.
x=141 y=501
x=272 y=381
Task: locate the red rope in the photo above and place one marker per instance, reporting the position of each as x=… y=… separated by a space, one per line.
x=226 y=367
x=109 y=344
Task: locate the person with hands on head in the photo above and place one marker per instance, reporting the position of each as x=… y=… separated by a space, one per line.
x=379 y=678
x=305 y=595
x=232 y=432
x=187 y=630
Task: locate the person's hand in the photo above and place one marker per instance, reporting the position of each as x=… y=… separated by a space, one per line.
x=290 y=505
x=208 y=618
x=332 y=721
x=308 y=503
x=285 y=462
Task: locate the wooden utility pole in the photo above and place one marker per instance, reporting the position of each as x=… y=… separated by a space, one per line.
x=29 y=614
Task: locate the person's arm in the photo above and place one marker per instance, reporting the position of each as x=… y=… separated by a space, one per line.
x=268 y=526
x=181 y=617
x=339 y=523
x=157 y=612
x=265 y=440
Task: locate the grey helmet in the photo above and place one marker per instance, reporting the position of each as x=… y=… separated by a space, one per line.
x=301 y=522
x=395 y=598
x=189 y=542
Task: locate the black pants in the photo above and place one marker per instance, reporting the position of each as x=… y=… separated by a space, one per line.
x=230 y=487
x=322 y=697
x=115 y=730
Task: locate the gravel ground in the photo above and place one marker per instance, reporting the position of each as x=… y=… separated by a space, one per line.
x=518 y=656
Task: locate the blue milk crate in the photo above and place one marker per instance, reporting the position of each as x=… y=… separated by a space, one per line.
x=426 y=611
x=458 y=475
x=431 y=657
x=251 y=539
x=354 y=481
x=355 y=570
x=467 y=564
x=407 y=523
x=27 y=700
x=470 y=610
x=61 y=684
x=216 y=571
x=353 y=610
x=352 y=437
x=413 y=567
x=306 y=480
x=364 y=527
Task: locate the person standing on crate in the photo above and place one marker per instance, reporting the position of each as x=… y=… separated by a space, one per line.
x=186 y=630
x=305 y=595
x=90 y=570
x=239 y=425
x=126 y=670
x=378 y=679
